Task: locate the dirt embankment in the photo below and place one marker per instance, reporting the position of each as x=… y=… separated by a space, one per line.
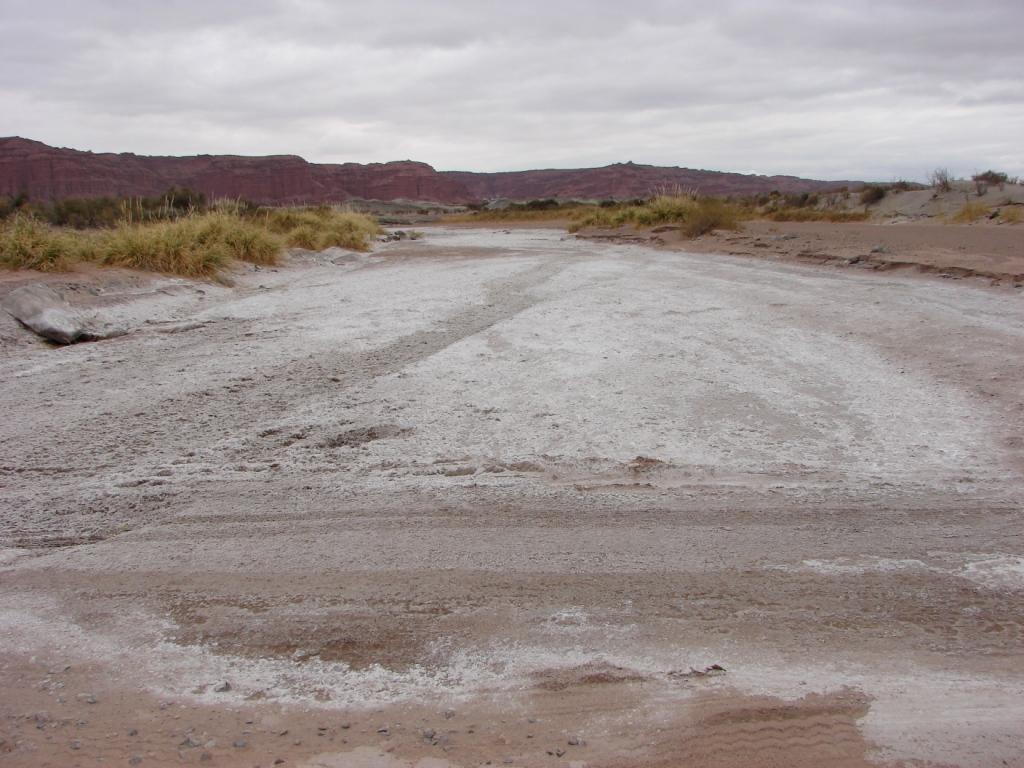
x=991 y=252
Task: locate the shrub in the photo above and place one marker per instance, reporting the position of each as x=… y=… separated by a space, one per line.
x=991 y=177
x=872 y=194
x=941 y=179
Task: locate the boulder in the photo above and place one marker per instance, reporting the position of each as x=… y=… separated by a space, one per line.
x=41 y=309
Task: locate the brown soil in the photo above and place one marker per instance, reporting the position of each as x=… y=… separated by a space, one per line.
x=987 y=251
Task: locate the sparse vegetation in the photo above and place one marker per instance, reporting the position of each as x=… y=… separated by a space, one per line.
x=941 y=179
x=995 y=178
x=694 y=215
x=194 y=244
x=1012 y=214
x=969 y=213
x=873 y=193
x=321 y=227
x=816 y=214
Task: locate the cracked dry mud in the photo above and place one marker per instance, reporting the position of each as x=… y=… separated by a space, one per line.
x=504 y=497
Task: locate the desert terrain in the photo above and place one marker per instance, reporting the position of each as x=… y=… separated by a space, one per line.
x=512 y=497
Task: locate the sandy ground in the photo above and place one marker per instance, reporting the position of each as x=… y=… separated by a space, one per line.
x=505 y=499
x=992 y=253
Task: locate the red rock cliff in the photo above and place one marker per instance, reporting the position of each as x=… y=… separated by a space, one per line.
x=45 y=173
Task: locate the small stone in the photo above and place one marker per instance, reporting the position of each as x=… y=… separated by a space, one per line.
x=384 y=729
x=283 y=733
x=189 y=742
x=86 y=698
x=576 y=741
x=345 y=726
x=76 y=744
x=133 y=732
x=205 y=757
x=279 y=761
x=239 y=744
x=429 y=734
x=222 y=687
x=135 y=760
x=449 y=714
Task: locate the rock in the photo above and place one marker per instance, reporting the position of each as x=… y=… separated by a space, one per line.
x=133 y=732
x=75 y=744
x=429 y=734
x=41 y=309
x=135 y=760
x=86 y=698
x=189 y=742
x=576 y=741
x=449 y=714
x=239 y=744
x=879 y=249
x=222 y=687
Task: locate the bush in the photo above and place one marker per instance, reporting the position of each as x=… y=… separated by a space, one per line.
x=941 y=179
x=991 y=177
x=872 y=194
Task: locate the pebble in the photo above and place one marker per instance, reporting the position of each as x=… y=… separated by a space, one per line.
x=384 y=729
x=429 y=734
x=133 y=732
x=576 y=741
x=239 y=743
x=76 y=744
x=189 y=742
x=449 y=714
x=222 y=687
x=345 y=726
x=87 y=698
x=135 y=760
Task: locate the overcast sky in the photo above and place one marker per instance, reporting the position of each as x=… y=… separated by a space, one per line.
x=827 y=89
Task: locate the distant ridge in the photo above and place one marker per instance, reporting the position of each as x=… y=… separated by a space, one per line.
x=47 y=173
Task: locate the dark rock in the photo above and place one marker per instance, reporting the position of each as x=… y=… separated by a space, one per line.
x=41 y=309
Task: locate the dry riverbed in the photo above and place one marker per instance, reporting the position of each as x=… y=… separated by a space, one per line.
x=517 y=499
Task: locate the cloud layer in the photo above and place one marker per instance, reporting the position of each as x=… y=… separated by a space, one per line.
x=830 y=89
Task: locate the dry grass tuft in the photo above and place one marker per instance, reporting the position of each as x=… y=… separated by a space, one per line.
x=323 y=227
x=695 y=216
x=971 y=212
x=1012 y=214
x=198 y=245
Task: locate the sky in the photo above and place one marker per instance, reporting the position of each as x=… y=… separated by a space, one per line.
x=831 y=89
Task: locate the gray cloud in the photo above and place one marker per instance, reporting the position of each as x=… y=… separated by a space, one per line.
x=842 y=88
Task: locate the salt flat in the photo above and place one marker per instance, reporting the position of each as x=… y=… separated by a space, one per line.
x=527 y=482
